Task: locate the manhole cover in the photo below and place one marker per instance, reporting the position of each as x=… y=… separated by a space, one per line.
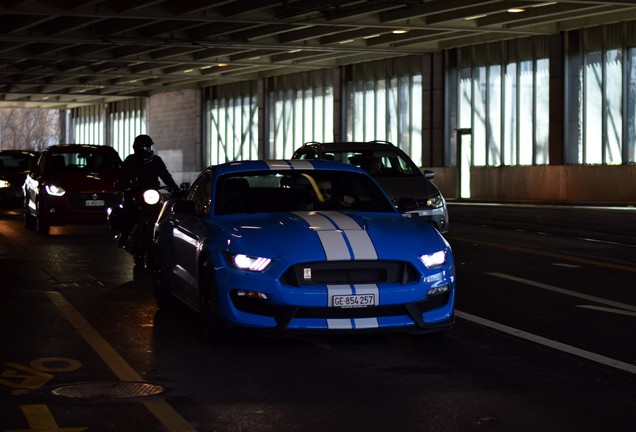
x=108 y=390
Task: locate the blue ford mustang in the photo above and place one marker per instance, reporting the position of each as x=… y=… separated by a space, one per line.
x=300 y=245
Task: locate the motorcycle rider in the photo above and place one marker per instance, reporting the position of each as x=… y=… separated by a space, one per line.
x=141 y=171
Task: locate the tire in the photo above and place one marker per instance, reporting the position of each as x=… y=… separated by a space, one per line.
x=29 y=220
x=209 y=313
x=161 y=281
x=41 y=226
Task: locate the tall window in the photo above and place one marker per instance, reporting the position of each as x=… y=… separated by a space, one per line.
x=300 y=109
x=630 y=115
x=232 y=124
x=87 y=125
x=383 y=101
x=503 y=97
x=126 y=121
x=602 y=90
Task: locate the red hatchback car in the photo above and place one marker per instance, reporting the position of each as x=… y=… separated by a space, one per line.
x=70 y=184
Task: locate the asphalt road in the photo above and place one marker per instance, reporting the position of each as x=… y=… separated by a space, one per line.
x=544 y=340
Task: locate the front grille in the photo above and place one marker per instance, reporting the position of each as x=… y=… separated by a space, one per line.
x=78 y=201
x=350 y=272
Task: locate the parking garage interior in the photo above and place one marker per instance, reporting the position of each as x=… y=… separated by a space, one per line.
x=509 y=101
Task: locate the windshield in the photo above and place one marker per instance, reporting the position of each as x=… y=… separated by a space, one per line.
x=311 y=190
x=17 y=161
x=93 y=160
x=378 y=163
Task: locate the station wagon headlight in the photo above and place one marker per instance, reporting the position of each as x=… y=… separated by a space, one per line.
x=249 y=263
x=434 y=260
x=54 y=190
x=435 y=201
x=4 y=184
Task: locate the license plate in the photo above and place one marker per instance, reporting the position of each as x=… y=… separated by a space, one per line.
x=94 y=203
x=353 y=301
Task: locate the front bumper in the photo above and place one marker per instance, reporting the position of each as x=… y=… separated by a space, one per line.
x=282 y=304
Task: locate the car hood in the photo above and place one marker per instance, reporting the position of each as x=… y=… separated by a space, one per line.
x=84 y=181
x=330 y=234
x=418 y=187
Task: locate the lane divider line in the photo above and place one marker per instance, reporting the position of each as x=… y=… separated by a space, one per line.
x=608 y=310
x=565 y=291
x=159 y=407
x=588 y=355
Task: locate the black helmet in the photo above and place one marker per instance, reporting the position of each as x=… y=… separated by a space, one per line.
x=144 y=146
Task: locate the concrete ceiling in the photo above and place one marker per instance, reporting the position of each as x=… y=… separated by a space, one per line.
x=68 y=53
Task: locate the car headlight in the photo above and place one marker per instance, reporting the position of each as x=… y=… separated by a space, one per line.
x=435 y=201
x=54 y=190
x=435 y=259
x=4 y=184
x=249 y=263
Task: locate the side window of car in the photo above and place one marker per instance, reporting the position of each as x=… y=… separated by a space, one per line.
x=201 y=194
x=308 y=154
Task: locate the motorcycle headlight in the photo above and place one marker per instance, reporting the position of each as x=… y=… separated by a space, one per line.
x=435 y=201
x=435 y=259
x=151 y=197
x=54 y=190
x=249 y=263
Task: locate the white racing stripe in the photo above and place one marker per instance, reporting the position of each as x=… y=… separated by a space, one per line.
x=339 y=324
x=334 y=245
x=333 y=290
x=341 y=236
x=367 y=289
x=348 y=324
x=343 y=239
x=361 y=323
x=289 y=164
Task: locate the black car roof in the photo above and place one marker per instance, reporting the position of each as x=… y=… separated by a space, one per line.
x=62 y=148
x=349 y=145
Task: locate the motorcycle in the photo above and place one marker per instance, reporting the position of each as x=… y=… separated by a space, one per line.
x=143 y=210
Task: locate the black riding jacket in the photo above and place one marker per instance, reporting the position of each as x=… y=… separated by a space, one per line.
x=145 y=173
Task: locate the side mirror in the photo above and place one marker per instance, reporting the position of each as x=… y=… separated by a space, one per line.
x=184 y=207
x=406 y=204
x=429 y=174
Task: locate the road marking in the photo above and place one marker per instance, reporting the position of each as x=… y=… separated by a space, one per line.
x=40 y=419
x=610 y=310
x=592 y=262
x=163 y=411
x=566 y=265
x=549 y=343
x=553 y=288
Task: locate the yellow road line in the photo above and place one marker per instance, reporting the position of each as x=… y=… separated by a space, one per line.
x=163 y=411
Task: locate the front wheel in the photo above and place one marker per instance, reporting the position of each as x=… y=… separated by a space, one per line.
x=161 y=280
x=29 y=219
x=41 y=225
x=210 y=315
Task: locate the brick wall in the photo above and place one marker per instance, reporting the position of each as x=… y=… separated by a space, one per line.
x=174 y=123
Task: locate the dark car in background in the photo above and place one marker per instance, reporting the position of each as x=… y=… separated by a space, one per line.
x=393 y=169
x=71 y=184
x=14 y=165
